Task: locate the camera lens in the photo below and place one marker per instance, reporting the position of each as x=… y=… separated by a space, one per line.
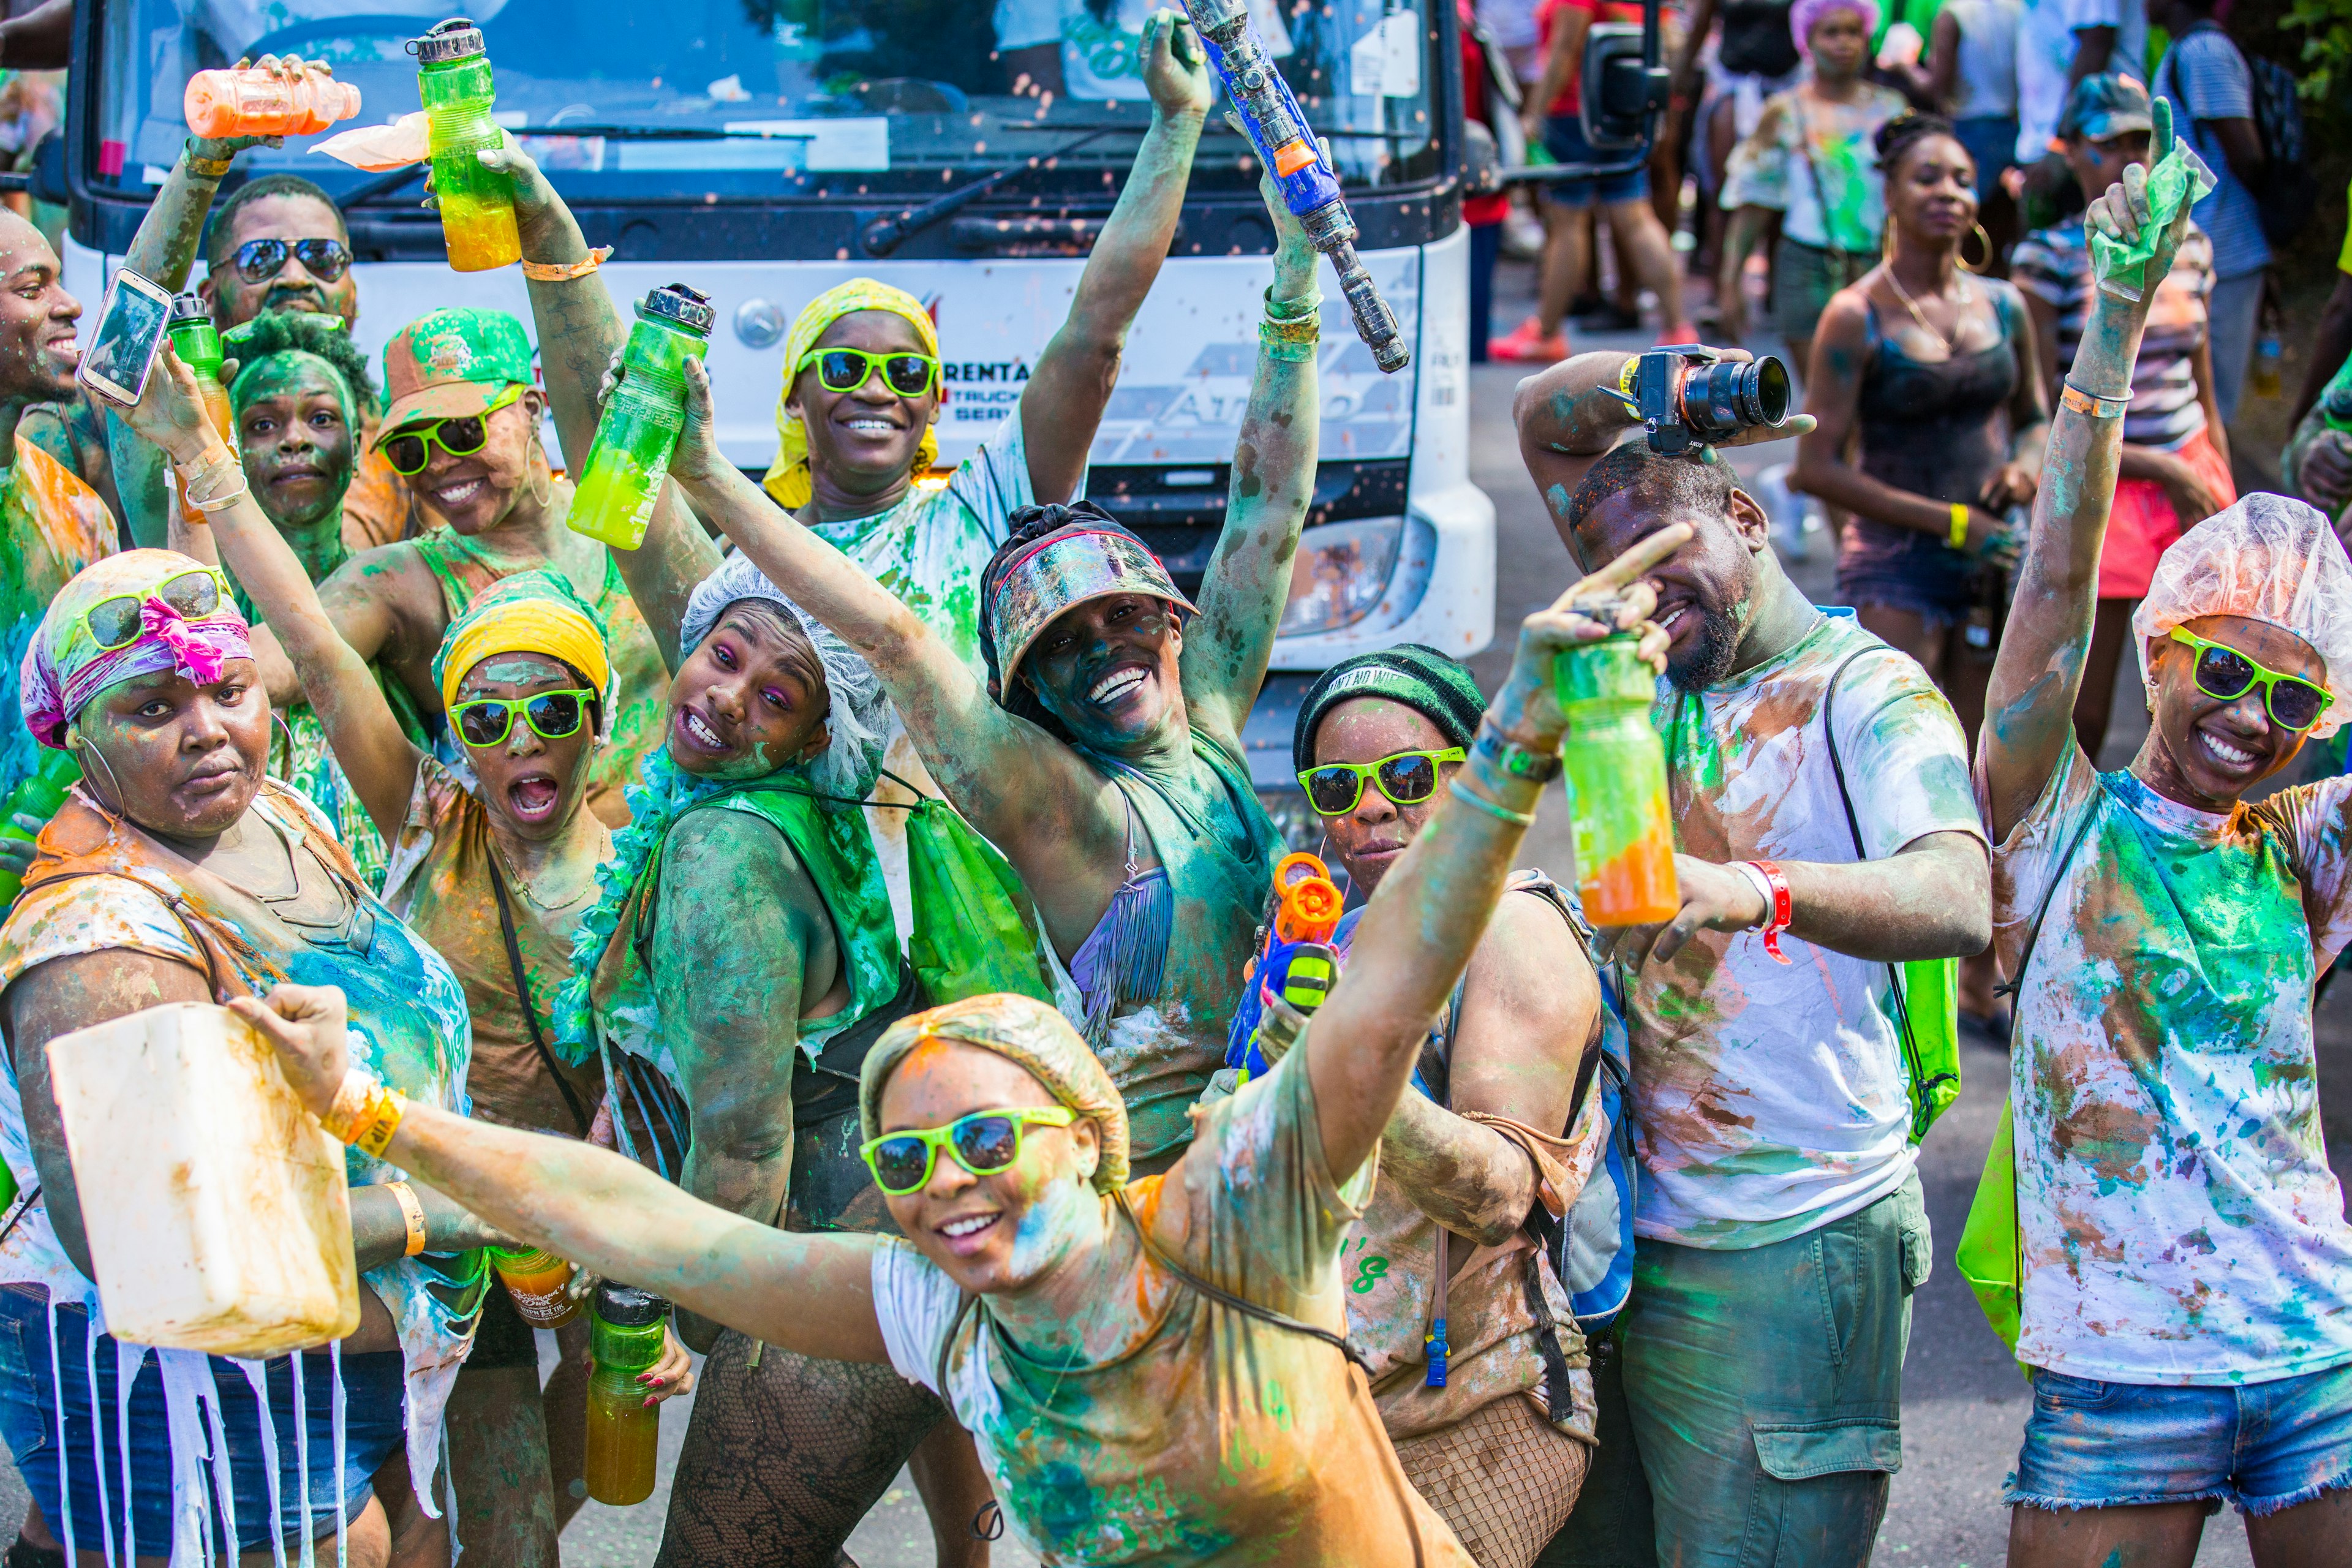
x=1721 y=400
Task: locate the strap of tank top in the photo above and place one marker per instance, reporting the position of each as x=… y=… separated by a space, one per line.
x=199 y=927
x=434 y=550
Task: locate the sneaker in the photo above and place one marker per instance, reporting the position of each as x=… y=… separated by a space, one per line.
x=1527 y=345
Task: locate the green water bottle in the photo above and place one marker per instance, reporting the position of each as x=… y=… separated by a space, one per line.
x=41 y=794
x=453 y=79
x=1616 y=768
x=630 y=459
x=198 y=344
x=626 y=1327
x=2336 y=403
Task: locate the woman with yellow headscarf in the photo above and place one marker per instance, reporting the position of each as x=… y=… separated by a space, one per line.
x=493 y=862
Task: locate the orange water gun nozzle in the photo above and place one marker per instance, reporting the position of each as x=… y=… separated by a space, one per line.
x=1309 y=912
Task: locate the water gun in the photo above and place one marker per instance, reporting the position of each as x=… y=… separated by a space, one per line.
x=1295 y=967
x=1278 y=129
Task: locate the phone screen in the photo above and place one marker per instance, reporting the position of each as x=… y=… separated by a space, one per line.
x=130 y=329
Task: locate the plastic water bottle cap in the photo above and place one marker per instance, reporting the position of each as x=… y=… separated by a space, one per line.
x=189 y=307
x=454 y=40
x=687 y=307
x=626 y=1307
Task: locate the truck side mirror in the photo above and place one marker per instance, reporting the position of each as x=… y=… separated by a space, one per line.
x=1622 y=95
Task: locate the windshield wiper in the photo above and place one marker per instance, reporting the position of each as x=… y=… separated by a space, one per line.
x=885 y=234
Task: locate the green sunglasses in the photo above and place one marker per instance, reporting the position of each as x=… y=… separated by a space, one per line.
x=198 y=595
x=552 y=715
x=460 y=436
x=846 y=370
x=2293 y=703
x=1407 y=778
x=984 y=1142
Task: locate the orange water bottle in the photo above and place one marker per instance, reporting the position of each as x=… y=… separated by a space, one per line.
x=535 y=1280
x=250 y=102
x=1617 y=784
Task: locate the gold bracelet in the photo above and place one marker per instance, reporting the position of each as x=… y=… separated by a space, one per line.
x=412 y=1213
x=2091 y=403
x=350 y=1101
x=1957 y=537
x=565 y=272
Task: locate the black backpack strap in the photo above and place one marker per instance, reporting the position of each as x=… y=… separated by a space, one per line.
x=522 y=997
x=1226 y=1298
x=1853 y=828
x=1560 y=1403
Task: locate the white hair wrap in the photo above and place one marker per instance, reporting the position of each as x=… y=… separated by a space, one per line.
x=859 y=714
x=2268 y=558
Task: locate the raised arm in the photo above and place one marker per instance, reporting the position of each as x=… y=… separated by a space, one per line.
x=1428 y=915
x=379 y=759
x=1570 y=415
x=812 y=1295
x=1070 y=386
x=579 y=331
x=2030 y=702
x=163 y=251
x=1001 y=774
x=1227 y=647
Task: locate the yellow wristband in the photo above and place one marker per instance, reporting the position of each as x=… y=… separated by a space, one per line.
x=386 y=1107
x=565 y=272
x=350 y=1103
x=411 y=1214
x=1959 y=538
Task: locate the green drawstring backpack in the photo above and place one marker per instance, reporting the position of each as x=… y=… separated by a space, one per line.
x=973 y=935
x=1991 y=1254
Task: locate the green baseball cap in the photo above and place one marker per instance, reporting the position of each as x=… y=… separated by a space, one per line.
x=2107 y=104
x=451 y=364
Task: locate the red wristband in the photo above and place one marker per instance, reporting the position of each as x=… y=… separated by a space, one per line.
x=1776 y=920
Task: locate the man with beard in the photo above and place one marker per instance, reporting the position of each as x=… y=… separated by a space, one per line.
x=279 y=242
x=1822 y=811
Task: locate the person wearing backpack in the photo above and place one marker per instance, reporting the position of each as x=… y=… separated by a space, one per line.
x=1512 y=1119
x=1820 y=794
x=2182 y=1271
x=2212 y=90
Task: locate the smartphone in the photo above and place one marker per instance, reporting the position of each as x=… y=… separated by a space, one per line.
x=131 y=329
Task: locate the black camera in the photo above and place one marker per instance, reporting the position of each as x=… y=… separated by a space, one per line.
x=1688 y=395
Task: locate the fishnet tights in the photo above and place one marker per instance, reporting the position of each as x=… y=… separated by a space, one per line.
x=782 y=1459
x=1504 y=1478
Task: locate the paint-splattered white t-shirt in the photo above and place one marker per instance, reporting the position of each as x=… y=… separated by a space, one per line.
x=1768 y=1098
x=2179 y=1223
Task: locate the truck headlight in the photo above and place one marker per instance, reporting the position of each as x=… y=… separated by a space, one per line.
x=1339 y=574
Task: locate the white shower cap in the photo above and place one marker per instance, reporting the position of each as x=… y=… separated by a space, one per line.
x=2268 y=558
x=859 y=716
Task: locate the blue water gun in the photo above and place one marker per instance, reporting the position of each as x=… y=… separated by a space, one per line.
x=1296 y=962
x=1278 y=129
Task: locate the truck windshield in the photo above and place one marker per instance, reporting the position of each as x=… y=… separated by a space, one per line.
x=768 y=101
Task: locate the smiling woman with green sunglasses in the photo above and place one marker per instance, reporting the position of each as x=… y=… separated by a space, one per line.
x=2224 y=672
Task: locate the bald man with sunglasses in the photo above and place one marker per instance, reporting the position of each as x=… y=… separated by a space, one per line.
x=279 y=243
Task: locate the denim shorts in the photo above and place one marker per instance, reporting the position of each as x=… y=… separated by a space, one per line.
x=1564 y=140
x=374 y=1407
x=2260 y=1447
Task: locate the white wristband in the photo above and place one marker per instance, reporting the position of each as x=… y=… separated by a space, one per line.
x=1763 y=890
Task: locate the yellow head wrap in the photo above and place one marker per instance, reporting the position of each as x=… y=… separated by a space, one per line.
x=531 y=612
x=788 y=477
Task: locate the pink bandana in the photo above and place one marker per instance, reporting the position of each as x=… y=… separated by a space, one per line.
x=167 y=640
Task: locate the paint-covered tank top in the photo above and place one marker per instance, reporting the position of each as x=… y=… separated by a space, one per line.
x=640 y=680
x=829 y=1187
x=1217 y=849
x=100 y=884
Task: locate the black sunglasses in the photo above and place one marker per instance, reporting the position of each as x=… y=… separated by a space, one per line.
x=260 y=260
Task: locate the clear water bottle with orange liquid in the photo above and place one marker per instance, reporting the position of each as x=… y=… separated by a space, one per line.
x=247 y=101
x=1616 y=769
x=453 y=80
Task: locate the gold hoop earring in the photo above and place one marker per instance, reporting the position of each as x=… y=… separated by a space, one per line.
x=1984 y=239
x=1886 y=241
x=542 y=472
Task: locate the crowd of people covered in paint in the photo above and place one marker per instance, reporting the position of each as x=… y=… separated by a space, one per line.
x=827 y=952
